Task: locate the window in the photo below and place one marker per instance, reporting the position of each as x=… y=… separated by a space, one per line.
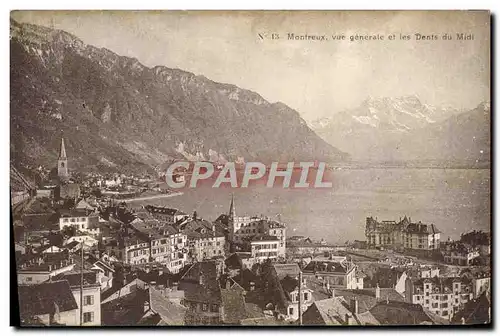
x=215 y=308
x=65 y=220
x=290 y=310
x=445 y=313
x=306 y=296
x=88 y=317
x=426 y=301
x=29 y=279
x=88 y=300
x=204 y=307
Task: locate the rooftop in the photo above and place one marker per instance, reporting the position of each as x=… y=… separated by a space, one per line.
x=45 y=298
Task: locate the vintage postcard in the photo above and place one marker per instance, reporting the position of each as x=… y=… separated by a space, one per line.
x=250 y=168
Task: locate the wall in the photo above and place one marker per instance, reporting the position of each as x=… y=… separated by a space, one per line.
x=95 y=308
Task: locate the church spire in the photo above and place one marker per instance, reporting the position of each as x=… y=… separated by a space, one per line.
x=62 y=152
x=62 y=163
x=232 y=212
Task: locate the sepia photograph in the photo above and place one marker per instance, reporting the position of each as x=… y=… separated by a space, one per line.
x=250 y=168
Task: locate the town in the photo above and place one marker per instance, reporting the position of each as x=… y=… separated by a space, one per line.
x=86 y=255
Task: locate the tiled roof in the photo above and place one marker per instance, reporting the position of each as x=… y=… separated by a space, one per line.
x=206 y=291
x=43 y=298
x=420 y=228
x=326 y=312
x=233 y=302
x=366 y=297
x=74 y=278
x=326 y=266
x=200 y=228
x=170 y=312
x=403 y=313
x=282 y=270
x=476 y=311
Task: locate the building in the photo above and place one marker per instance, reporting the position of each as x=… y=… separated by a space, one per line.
x=275 y=229
x=202 y=294
x=81 y=220
x=402 y=234
x=336 y=311
x=67 y=191
x=288 y=276
x=476 y=311
x=91 y=295
x=458 y=253
x=168 y=215
x=265 y=247
x=241 y=228
x=154 y=241
x=86 y=239
x=205 y=240
x=42 y=268
x=62 y=163
x=49 y=303
x=442 y=296
x=337 y=272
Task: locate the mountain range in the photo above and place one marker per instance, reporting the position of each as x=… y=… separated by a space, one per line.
x=115 y=112
x=405 y=129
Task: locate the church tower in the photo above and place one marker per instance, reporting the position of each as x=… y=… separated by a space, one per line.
x=62 y=163
x=232 y=212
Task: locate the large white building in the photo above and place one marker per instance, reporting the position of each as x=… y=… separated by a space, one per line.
x=249 y=228
x=265 y=247
x=402 y=234
x=81 y=220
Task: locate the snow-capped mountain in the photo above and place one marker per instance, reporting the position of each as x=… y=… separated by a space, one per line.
x=390 y=114
x=386 y=129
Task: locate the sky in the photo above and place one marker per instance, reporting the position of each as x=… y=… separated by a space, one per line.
x=317 y=78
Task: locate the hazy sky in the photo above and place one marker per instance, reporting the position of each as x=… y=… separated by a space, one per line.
x=318 y=78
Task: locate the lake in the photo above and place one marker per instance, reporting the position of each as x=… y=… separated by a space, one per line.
x=456 y=200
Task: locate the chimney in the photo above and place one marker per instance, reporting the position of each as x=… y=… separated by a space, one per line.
x=377 y=292
x=332 y=293
x=201 y=280
x=252 y=286
x=228 y=284
x=175 y=286
x=353 y=306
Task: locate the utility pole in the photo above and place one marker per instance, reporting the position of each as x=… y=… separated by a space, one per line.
x=81 y=287
x=300 y=298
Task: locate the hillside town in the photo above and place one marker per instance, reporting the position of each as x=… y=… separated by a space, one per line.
x=86 y=255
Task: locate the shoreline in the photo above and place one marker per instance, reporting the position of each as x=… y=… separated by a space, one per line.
x=146 y=198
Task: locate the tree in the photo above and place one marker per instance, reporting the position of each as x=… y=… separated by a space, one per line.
x=69 y=231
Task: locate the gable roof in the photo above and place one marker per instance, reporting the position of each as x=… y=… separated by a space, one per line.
x=170 y=312
x=326 y=312
x=41 y=299
x=366 y=297
x=476 y=311
x=82 y=204
x=404 y=313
